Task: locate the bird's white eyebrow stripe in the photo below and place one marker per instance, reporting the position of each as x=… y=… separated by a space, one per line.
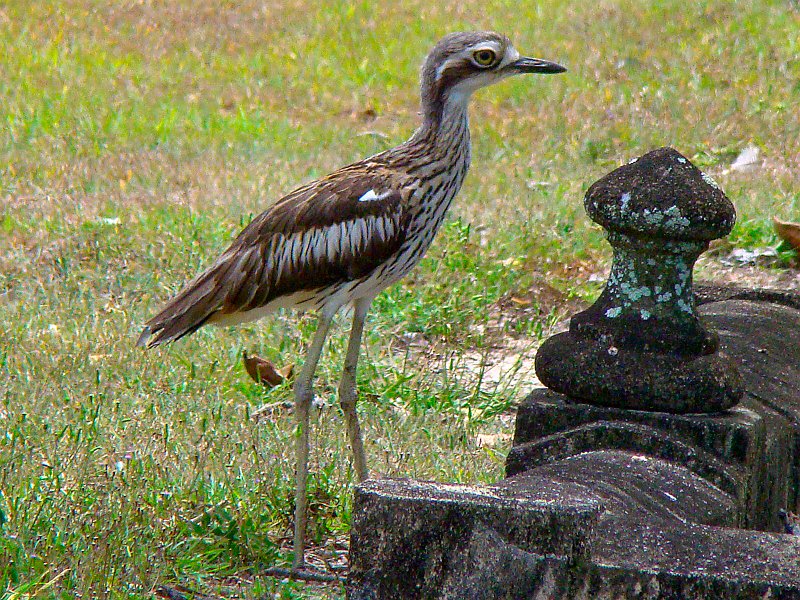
x=491 y=44
x=370 y=195
x=488 y=44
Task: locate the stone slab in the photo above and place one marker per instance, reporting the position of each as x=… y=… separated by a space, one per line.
x=691 y=562
x=733 y=435
x=640 y=531
x=764 y=340
x=707 y=292
x=634 y=486
x=411 y=539
x=613 y=504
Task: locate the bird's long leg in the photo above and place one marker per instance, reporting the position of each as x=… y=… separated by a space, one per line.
x=304 y=394
x=347 y=387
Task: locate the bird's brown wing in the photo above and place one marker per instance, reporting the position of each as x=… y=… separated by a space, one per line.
x=336 y=229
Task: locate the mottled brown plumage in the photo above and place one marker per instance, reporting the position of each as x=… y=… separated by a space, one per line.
x=304 y=243
x=345 y=237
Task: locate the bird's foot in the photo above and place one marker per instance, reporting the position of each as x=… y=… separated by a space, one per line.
x=303 y=573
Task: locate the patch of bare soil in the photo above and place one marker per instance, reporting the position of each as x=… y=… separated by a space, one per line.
x=754 y=276
x=507 y=362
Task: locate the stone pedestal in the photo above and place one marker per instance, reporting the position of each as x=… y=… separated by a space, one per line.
x=642 y=344
x=724 y=449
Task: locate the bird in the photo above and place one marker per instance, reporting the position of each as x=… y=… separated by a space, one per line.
x=340 y=240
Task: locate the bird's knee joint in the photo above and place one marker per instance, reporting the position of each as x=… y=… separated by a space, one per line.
x=348 y=405
x=303 y=391
x=347 y=399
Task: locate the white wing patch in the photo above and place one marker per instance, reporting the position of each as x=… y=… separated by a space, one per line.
x=371 y=195
x=286 y=256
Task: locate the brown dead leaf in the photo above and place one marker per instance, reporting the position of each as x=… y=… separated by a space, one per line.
x=789 y=232
x=287 y=371
x=521 y=301
x=265 y=372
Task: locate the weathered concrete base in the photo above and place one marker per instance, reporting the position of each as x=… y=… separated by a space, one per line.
x=609 y=503
x=764 y=339
x=689 y=561
x=513 y=574
x=598 y=525
x=442 y=540
x=726 y=449
x=425 y=540
x=751 y=452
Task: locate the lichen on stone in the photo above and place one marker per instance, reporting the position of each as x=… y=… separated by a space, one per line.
x=684 y=306
x=709 y=180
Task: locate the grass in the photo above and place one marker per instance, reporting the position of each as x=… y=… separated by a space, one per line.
x=137 y=138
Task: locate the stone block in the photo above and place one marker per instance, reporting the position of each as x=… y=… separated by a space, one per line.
x=425 y=540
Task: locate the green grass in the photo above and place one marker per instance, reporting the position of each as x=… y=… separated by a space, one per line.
x=137 y=138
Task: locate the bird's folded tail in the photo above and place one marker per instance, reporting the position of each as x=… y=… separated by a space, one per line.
x=185 y=313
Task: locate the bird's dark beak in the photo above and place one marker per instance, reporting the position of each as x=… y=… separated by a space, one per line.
x=534 y=65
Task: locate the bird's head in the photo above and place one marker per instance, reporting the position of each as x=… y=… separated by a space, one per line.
x=464 y=62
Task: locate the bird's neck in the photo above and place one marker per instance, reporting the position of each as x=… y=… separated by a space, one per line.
x=445 y=127
x=443 y=108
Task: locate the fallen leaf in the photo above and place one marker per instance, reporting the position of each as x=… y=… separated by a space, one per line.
x=789 y=232
x=492 y=439
x=521 y=301
x=264 y=371
x=287 y=371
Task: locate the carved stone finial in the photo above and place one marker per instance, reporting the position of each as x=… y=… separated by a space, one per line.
x=642 y=345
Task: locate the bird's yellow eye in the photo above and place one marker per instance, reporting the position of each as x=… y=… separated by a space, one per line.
x=484 y=58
